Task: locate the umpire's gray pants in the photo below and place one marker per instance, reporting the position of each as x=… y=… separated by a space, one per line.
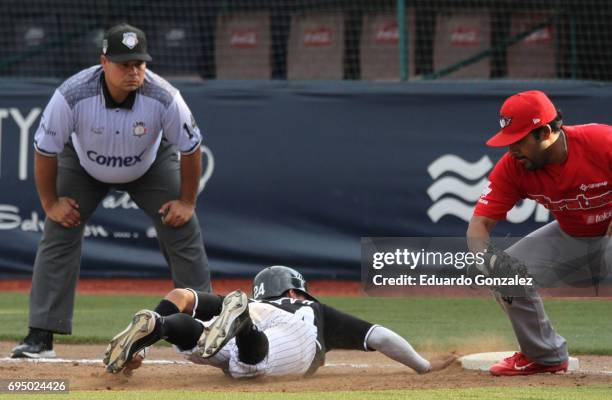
x=57 y=264
x=554 y=259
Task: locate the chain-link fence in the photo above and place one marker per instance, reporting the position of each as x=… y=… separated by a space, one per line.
x=310 y=39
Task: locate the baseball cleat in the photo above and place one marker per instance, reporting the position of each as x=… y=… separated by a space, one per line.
x=37 y=344
x=519 y=364
x=140 y=333
x=233 y=318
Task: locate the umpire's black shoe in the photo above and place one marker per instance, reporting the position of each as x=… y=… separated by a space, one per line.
x=234 y=317
x=37 y=344
x=143 y=331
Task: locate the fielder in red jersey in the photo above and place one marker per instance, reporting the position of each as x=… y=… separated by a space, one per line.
x=568 y=169
x=578 y=191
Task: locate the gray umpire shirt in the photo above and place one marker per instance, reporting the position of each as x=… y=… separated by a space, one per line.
x=116 y=143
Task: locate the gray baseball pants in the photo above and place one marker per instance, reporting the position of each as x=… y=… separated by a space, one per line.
x=554 y=259
x=57 y=264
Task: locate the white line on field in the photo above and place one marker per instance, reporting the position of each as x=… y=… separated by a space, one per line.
x=155 y=362
x=82 y=361
x=9 y=360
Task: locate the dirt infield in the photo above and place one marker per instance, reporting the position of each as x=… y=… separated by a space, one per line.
x=317 y=287
x=162 y=286
x=345 y=370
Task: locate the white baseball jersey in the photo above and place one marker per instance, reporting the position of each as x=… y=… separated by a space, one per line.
x=299 y=334
x=115 y=143
x=292 y=345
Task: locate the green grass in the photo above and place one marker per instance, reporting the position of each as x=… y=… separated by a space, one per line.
x=96 y=318
x=571 y=393
x=456 y=323
x=428 y=323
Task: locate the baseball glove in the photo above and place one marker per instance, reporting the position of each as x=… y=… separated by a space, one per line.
x=499 y=264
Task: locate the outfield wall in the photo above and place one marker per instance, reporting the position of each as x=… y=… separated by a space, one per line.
x=296 y=173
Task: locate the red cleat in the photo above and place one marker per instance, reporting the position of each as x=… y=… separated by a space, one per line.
x=519 y=364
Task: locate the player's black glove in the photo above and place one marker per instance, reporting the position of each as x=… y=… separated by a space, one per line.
x=499 y=264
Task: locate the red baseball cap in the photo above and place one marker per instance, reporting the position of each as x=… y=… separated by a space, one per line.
x=520 y=114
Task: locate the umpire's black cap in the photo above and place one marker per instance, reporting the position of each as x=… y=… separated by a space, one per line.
x=125 y=42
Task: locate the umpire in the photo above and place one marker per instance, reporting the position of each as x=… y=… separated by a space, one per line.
x=114 y=125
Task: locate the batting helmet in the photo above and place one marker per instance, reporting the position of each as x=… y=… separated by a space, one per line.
x=275 y=280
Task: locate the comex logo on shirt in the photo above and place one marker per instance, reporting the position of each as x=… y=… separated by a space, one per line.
x=114 y=161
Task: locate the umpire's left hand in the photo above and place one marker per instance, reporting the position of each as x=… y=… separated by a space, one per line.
x=176 y=213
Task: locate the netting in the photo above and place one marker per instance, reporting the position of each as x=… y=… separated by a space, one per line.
x=309 y=39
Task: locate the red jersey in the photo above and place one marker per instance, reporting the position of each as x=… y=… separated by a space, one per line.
x=578 y=192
